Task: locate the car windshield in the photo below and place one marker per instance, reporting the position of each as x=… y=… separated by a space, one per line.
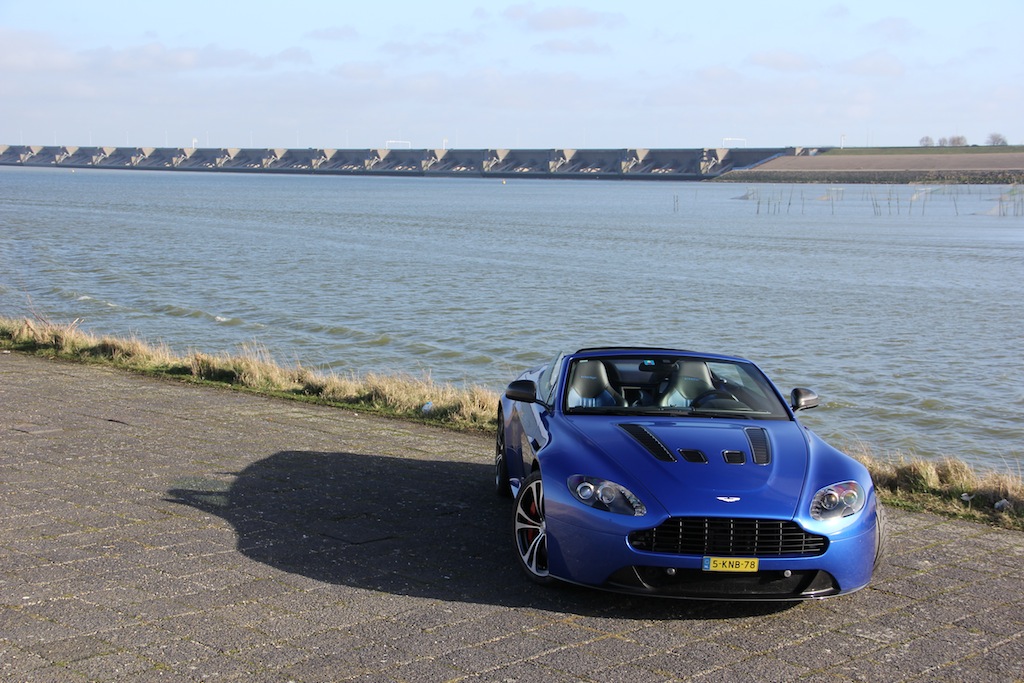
x=670 y=384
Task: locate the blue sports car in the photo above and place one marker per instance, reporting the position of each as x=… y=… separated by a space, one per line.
x=681 y=474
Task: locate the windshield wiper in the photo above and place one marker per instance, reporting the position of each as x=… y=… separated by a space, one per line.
x=712 y=412
x=673 y=411
x=600 y=410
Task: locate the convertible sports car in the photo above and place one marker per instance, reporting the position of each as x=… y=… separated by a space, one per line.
x=680 y=474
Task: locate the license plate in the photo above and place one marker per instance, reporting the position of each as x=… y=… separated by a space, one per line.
x=730 y=564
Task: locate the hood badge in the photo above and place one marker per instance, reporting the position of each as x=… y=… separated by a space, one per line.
x=728 y=499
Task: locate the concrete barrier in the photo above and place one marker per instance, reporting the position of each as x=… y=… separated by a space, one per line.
x=687 y=164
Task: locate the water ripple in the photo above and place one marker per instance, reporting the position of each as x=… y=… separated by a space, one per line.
x=907 y=324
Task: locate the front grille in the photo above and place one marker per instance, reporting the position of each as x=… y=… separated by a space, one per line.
x=729 y=538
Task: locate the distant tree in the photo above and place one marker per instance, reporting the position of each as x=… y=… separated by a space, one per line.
x=996 y=139
x=958 y=141
x=927 y=141
x=943 y=142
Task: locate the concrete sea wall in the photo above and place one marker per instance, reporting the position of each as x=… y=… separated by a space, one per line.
x=663 y=164
x=750 y=165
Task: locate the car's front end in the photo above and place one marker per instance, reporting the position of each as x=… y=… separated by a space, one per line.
x=713 y=502
x=712 y=521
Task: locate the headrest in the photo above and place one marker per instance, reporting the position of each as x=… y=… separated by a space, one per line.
x=589 y=378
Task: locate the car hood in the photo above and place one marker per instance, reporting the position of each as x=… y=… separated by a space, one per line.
x=663 y=457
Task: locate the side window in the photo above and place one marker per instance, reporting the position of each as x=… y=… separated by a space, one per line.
x=548 y=379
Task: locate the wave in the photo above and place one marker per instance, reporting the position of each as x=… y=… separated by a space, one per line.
x=75 y=295
x=198 y=314
x=183 y=312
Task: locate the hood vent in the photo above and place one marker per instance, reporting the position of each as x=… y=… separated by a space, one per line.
x=690 y=455
x=734 y=457
x=649 y=441
x=759 y=445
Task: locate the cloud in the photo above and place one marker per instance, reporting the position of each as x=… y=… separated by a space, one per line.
x=156 y=58
x=892 y=30
x=562 y=18
x=721 y=76
x=359 y=71
x=782 y=60
x=837 y=11
x=27 y=53
x=292 y=55
x=877 y=64
x=24 y=51
x=443 y=44
x=421 y=48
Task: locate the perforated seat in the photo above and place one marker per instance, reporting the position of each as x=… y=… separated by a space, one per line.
x=591 y=388
x=688 y=380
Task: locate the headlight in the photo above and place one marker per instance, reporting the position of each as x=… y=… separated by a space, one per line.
x=602 y=494
x=838 y=501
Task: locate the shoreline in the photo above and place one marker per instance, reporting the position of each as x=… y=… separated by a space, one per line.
x=876 y=177
x=947 y=487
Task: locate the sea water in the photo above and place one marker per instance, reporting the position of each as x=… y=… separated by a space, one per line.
x=900 y=305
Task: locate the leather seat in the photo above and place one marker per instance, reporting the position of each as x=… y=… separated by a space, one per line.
x=688 y=380
x=591 y=388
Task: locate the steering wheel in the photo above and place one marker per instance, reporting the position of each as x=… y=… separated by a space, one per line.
x=710 y=395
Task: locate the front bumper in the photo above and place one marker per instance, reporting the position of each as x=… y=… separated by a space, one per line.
x=801 y=584
x=607 y=561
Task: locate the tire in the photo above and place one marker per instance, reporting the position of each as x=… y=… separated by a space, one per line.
x=529 y=531
x=881 y=536
x=501 y=486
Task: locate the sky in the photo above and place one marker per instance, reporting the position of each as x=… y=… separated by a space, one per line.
x=494 y=75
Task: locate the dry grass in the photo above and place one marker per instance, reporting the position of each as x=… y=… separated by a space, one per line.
x=947 y=486
x=254 y=369
x=68 y=341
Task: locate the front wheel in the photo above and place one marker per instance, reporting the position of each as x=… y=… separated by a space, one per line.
x=529 y=529
x=501 y=486
x=881 y=536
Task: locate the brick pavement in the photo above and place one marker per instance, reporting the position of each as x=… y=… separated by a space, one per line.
x=153 y=530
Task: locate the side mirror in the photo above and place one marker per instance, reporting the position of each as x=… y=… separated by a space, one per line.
x=524 y=390
x=803 y=399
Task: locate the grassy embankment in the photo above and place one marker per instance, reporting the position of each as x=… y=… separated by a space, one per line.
x=948 y=487
x=900 y=151
x=943 y=171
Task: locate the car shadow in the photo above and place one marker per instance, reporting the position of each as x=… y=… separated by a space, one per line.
x=409 y=527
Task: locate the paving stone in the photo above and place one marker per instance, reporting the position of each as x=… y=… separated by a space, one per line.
x=154 y=530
